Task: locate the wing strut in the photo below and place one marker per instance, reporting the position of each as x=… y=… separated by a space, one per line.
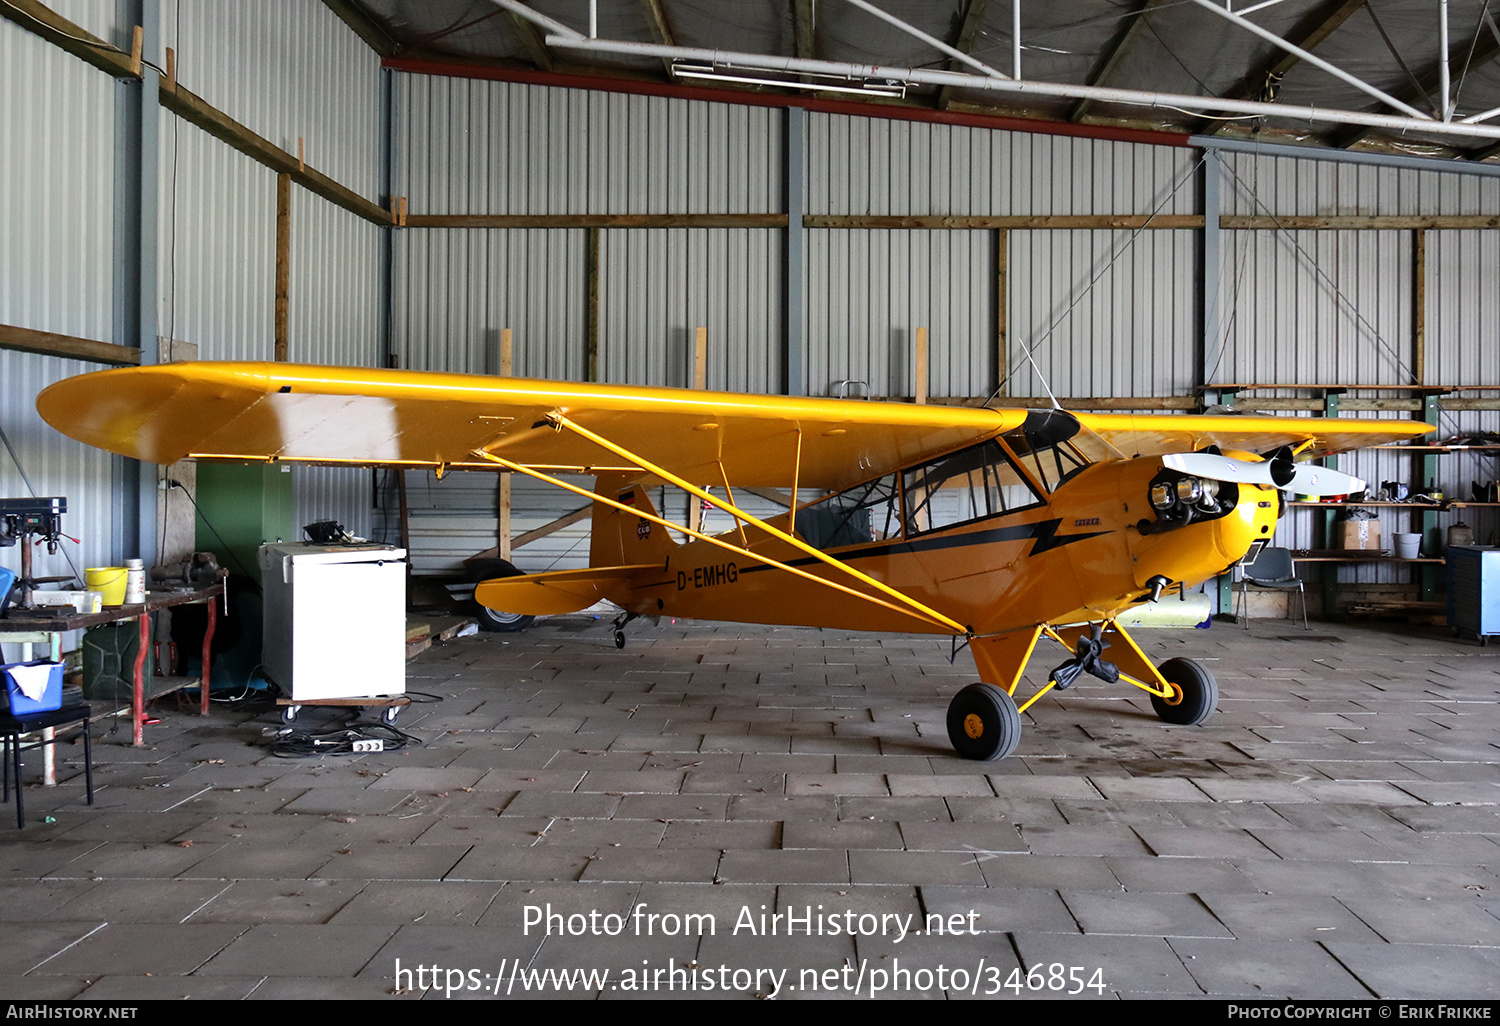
x=520 y=468
x=560 y=420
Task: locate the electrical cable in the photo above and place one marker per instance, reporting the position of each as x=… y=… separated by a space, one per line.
x=296 y=744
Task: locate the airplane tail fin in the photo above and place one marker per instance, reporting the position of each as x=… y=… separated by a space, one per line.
x=620 y=539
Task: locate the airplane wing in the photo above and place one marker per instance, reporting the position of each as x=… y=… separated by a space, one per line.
x=253 y=411
x=1154 y=434
x=223 y=410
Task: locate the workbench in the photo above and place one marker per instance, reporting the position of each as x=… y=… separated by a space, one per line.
x=47 y=626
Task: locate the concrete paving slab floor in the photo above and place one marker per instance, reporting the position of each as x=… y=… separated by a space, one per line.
x=731 y=811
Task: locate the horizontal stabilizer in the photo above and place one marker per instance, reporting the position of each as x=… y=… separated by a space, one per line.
x=558 y=591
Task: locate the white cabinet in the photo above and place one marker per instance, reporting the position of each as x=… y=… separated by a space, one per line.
x=335 y=620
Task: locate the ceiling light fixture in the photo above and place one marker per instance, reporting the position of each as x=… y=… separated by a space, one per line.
x=817 y=83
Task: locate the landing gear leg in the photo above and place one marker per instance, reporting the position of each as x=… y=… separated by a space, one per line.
x=620 y=622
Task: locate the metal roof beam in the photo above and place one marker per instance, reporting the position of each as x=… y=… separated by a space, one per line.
x=968 y=31
x=1130 y=27
x=1308 y=34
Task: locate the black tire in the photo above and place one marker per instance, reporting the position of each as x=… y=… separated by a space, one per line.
x=983 y=723
x=493 y=619
x=619 y=639
x=1198 y=693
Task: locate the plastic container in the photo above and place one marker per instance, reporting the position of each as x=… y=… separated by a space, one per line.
x=109 y=581
x=135 y=582
x=51 y=697
x=7 y=582
x=1408 y=546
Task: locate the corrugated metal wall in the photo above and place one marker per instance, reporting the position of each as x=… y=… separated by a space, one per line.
x=56 y=211
x=283 y=69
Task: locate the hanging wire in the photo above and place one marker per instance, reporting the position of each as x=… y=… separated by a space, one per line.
x=1114 y=257
x=1337 y=292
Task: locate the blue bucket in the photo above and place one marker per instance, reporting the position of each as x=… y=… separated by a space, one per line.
x=7 y=581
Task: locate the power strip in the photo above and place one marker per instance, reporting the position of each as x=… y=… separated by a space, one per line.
x=371 y=745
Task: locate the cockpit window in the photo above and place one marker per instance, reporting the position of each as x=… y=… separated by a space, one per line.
x=967 y=485
x=1044 y=445
x=865 y=513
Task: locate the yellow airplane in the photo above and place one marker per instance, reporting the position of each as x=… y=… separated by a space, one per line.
x=1000 y=526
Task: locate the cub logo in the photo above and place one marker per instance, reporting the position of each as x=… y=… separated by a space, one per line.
x=643 y=529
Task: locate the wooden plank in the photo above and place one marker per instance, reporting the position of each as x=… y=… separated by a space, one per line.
x=62 y=33
x=503 y=532
x=596 y=221
x=968 y=31
x=567 y=520
x=1249 y=387
x=661 y=30
x=591 y=299
x=364 y=26
x=1002 y=310
x=47 y=343
x=967 y=222
x=919 y=369
x=283 y=261
x=1358 y=222
x=700 y=382
x=1418 y=303
x=194 y=109
x=1155 y=402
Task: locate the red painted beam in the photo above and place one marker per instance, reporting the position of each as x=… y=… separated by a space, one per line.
x=850 y=107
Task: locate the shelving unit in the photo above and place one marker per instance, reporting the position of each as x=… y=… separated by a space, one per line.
x=1425 y=403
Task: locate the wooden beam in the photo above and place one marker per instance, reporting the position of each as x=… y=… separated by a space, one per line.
x=1471 y=52
x=661 y=30
x=596 y=221
x=591 y=300
x=919 y=369
x=1418 y=303
x=1002 y=309
x=503 y=527
x=283 y=261
x=1357 y=222
x=963 y=39
x=963 y=222
x=804 y=29
x=700 y=382
x=567 y=520
x=62 y=33
x=1307 y=34
x=195 y=110
x=1131 y=26
x=531 y=41
x=364 y=26
x=47 y=343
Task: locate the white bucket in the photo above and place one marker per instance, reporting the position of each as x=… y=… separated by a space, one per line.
x=1408 y=546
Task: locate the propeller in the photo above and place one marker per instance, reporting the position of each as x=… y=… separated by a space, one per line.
x=1276 y=472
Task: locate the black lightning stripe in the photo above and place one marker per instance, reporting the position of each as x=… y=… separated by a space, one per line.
x=1043 y=533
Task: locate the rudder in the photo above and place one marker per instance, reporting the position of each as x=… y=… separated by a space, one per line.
x=619 y=539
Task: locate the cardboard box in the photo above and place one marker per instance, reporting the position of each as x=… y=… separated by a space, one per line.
x=1359 y=534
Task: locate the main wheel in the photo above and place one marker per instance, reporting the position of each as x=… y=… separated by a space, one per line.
x=983 y=723
x=493 y=619
x=1197 y=693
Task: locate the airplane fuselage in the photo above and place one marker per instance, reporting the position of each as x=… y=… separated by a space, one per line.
x=1080 y=555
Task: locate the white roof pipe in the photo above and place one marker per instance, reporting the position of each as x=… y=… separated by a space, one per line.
x=931 y=41
x=1317 y=62
x=538 y=18
x=1176 y=101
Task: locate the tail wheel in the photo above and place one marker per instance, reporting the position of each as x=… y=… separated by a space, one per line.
x=494 y=619
x=1195 y=693
x=983 y=723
